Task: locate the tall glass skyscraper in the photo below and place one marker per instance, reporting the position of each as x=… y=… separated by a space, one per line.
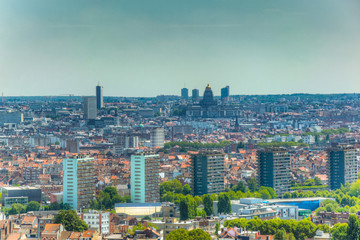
x=99 y=97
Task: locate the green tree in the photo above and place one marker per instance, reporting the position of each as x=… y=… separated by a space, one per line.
x=184 y=209
x=208 y=205
x=324 y=227
x=287 y=195
x=33 y=206
x=188 y=208
x=111 y=191
x=54 y=206
x=240 y=145
x=217 y=229
x=280 y=235
x=186 y=189
x=198 y=234
x=353 y=230
x=305 y=229
x=192 y=206
x=65 y=206
x=71 y=221
x=252 y=184
x=309 y=182
x=318 y=181
x=178 y=234
x=146 y=218
x=16 y=208
x=200 y=213
x=171 y=186
x=290 y=236
x=240 y=186
x=224 y=204
x=339 y=231
x=135 y=228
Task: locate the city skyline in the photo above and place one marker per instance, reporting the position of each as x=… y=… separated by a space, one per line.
x=256 y=47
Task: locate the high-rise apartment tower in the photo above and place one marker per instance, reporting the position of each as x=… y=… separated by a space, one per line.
x=78 y=181
x=90 y=110
x=207 y=172
x=157 y=137
x=145 y=180
x=274 y=169
x=342 y=165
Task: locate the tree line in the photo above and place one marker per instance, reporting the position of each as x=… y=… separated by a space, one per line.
x=193 y=206
x=282 y=229
x=107 y=199
x=346 y=199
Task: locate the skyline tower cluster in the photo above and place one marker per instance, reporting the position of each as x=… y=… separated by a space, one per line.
x=224 y=94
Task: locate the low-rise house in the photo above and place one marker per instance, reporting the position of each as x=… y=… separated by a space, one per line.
x=52 y=231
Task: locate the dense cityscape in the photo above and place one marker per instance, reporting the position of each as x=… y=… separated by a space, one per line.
x=205 y=165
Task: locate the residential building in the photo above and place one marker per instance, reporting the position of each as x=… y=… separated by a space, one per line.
x=157 y=137
x=32 y=173
x=90 y=110
x=207 y=172
x=31 y=193
x=78 y=182
x=171 y=224
x=152 y=209
x=9 y=201
x=342 y=165
x=100 y=221
x=274 y=169
x=6 y=228
x=145 y=180
x=10 y=117
x=73 y=146
x=52 y=231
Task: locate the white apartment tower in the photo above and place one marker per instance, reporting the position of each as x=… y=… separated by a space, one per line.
x=157 y=137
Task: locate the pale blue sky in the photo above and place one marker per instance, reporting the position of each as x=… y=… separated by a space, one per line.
x=152 y=47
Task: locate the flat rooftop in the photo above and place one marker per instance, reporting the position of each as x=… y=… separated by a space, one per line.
x=285 y=200
x=20 y=188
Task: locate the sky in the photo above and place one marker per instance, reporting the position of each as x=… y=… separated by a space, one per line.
x=152 y=47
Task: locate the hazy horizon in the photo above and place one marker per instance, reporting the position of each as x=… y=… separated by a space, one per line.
x=148 y=48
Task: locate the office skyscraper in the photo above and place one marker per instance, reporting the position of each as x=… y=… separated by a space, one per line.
x=157 y=137
x=225 y=93
x=145 y=180
x=78 y=181
x=207 y=172
x=341 y=166
x=274 y=169
x=195 y=95
x=90 y=110
x=185 y=93
x=99 y=97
